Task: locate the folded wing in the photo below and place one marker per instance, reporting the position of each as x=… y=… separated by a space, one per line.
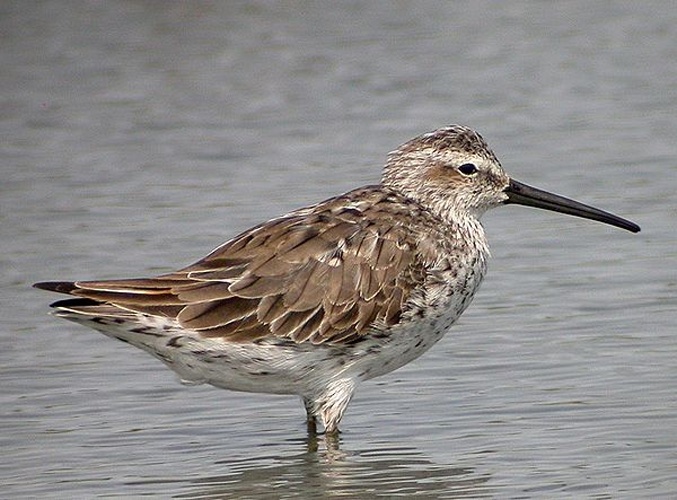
x=321 y=276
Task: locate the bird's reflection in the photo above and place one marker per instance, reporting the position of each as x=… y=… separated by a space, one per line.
x=324 y=471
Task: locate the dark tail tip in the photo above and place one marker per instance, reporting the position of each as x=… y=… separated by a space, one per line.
x=56 y=286
x=68 y=303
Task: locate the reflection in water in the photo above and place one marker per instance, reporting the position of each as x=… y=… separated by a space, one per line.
x=324 y=473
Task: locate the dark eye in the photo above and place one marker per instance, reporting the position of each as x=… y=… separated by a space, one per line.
x=467 y=169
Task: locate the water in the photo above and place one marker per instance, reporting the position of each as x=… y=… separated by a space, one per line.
x=139 y=135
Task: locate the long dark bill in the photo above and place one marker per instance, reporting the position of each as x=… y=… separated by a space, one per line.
x=521 y=194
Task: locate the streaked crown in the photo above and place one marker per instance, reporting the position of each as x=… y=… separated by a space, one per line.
x=451 y=171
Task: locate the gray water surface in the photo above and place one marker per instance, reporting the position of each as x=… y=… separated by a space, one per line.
x=138 y=135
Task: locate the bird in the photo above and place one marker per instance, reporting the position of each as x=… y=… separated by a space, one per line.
x=323 y=298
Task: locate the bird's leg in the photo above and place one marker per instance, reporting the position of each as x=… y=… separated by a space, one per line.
x=331 y=439
x=311 y=421
x=331 y=433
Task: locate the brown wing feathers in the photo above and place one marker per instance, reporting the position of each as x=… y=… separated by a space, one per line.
x=318 y=277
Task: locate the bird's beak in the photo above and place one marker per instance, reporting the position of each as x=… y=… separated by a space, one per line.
x=521 y=194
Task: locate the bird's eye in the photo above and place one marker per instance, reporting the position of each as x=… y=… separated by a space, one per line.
x=468 y=169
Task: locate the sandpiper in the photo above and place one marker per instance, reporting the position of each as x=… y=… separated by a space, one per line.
x=318 y=300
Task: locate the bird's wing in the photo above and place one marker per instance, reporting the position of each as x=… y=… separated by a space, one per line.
x=318 y=275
